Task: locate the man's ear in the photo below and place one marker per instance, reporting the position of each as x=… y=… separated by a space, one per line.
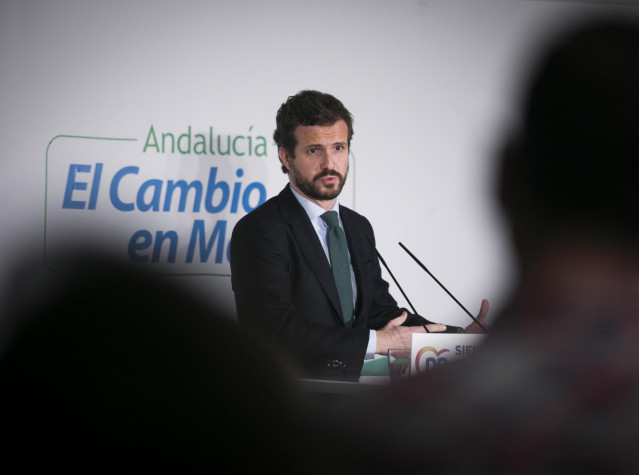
x=284 y=158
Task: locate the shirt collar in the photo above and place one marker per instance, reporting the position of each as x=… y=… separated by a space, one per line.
x=313 y=210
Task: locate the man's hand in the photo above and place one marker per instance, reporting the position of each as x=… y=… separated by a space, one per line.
x=481 y=318
x=393 y=335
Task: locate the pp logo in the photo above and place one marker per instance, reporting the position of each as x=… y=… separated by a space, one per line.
x=428 y=358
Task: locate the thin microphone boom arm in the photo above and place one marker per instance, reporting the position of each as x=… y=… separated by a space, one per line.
x=442 y=286
x=381 y=259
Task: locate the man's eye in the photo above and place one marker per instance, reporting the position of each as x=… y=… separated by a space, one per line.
x=312 y=150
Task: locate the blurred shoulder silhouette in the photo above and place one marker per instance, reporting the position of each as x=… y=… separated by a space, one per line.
x=108 y=368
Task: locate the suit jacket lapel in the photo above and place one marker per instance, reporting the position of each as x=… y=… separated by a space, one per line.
x=310 y=246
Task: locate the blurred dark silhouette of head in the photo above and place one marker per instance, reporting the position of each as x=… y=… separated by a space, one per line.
x=106 y=368
x=573 y=169
x=553 y=388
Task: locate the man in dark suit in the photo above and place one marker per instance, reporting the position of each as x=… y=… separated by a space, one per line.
x=281 y=256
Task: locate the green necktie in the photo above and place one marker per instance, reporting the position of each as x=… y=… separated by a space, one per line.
x=338 y=252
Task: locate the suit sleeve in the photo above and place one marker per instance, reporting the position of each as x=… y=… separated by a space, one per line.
x=264 y=269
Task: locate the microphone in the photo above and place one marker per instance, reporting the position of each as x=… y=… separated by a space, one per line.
x=442 y=286
x=449 y=328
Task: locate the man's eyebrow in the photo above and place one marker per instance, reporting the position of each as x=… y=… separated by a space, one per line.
x=319 y=145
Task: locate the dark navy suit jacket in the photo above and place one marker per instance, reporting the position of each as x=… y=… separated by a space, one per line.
x=284 y=287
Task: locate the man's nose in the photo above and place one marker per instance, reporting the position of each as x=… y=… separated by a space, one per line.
x=329 y=160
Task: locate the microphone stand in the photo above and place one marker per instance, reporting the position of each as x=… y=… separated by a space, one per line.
x=381 y=259
x=442 y=286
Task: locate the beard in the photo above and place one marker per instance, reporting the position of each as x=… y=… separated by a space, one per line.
x=314 y=188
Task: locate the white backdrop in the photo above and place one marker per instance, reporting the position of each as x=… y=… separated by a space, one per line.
x=432 y=85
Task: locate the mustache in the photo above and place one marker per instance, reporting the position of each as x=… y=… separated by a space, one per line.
x=319 y=176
